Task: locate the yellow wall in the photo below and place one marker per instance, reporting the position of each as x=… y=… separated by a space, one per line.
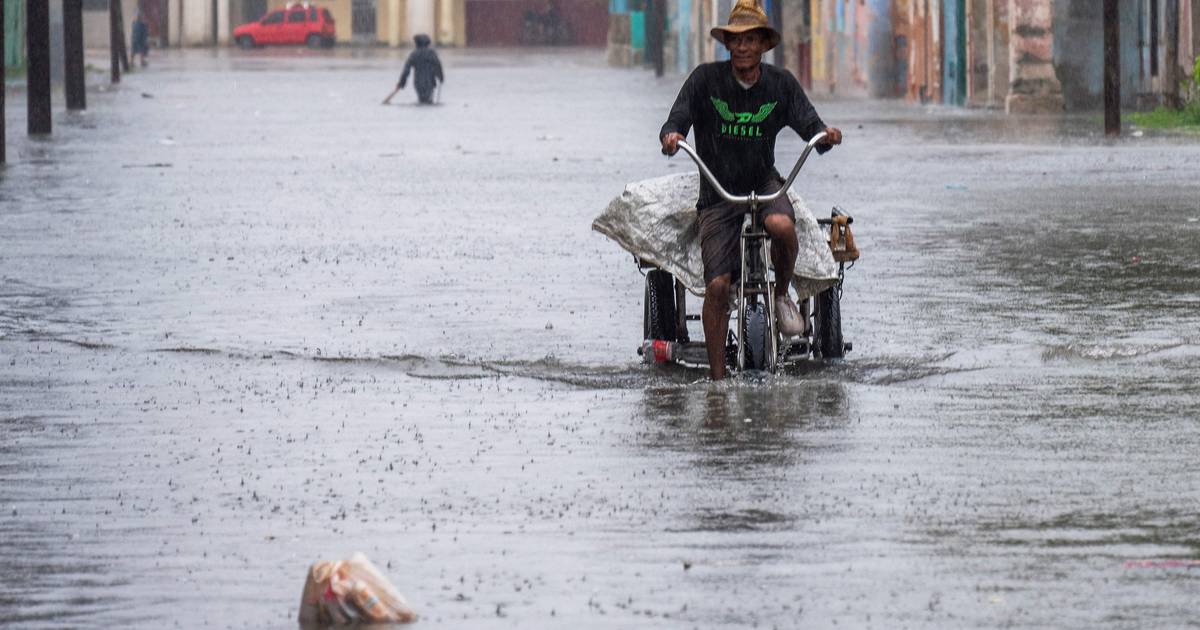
x=819 y=26
x=460 y=22
x=449 y=16
x=384 y=15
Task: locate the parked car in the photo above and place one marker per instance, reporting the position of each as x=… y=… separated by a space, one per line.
x=294 y=24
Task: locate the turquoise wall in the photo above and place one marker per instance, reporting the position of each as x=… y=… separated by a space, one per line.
x=14 y=33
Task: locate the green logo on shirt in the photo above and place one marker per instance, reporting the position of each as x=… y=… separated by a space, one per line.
x=741 y=124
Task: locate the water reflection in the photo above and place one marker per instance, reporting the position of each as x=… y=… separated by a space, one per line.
x=741 y=450
x=742 y=423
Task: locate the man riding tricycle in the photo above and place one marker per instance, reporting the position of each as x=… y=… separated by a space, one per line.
x=745 y=219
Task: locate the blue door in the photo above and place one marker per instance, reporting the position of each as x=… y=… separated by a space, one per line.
x=954 y=42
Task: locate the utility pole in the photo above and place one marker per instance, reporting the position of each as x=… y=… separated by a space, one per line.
x=116 y=40
x=656 y=36
x=73 y=53
x=3 y=73
x=1112 y=69
x=991 y=52
x=37 y=79
x=114 y=34
x=122 y=46
x=776 y=18
x=1171 y=54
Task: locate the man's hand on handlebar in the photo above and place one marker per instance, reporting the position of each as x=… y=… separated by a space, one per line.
x=833 y=136
x=670 y=142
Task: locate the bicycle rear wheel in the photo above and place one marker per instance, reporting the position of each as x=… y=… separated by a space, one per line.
x=659 y=317
x=827 y=338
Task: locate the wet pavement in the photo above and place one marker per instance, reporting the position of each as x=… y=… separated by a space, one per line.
x=250 y=318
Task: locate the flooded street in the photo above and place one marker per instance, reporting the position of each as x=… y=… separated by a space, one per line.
x=250 y=318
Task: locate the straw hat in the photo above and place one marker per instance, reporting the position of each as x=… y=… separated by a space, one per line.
x=747 y=16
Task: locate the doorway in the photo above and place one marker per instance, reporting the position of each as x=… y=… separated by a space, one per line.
x=362 y=20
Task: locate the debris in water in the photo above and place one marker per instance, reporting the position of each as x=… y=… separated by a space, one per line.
x=349 y=591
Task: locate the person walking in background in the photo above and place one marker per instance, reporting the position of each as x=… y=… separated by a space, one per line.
x=427 y=71
x=140 y=39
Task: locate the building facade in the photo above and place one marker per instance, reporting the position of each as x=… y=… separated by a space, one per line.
x=372 y=22
x=1019 y=55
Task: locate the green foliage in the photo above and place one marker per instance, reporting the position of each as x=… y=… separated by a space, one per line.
x=1164 y=118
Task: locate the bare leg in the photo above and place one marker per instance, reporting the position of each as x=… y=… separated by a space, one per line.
x=784 y=248
x=716 y=324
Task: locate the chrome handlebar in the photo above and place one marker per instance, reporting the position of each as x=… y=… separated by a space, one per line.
x=753 y=197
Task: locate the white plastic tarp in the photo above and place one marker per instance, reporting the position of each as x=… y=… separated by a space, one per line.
x=655 y=220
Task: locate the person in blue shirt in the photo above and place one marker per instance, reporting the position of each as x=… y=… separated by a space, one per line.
x=140 y=39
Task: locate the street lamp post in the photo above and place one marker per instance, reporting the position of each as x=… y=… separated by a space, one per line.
x=37 y=78
x=1112 y=69
x=3 y=73
x=75 y=88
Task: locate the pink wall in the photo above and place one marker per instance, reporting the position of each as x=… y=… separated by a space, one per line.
x=499 y=22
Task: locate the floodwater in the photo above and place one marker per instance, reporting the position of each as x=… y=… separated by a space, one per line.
x=250 y=318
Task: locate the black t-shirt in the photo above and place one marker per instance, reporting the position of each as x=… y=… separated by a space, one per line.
x=736 y=126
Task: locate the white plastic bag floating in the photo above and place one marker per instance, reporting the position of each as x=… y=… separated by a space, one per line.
x=655 y=220
x=349 y=592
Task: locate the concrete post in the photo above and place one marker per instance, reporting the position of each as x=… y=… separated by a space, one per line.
x=997 y=81
x=654 y=35
x=223 y=29
x=37 y=75
x=1033 y=85
x=460 y=26
x=445 y=27
x=114 y=44
x=393 y=26
x=122 y=47
x=75 y=89
x=1112 y=69
x=175 y=22
x=196 y=23
x=3 y=73
x=977 y=52
x=419 y=18
x=57 y=43
x=1171 y=55
x=991 y=52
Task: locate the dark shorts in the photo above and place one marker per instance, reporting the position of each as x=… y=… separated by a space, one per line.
x=721 y=233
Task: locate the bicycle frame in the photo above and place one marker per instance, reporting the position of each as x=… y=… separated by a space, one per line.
x=755 y=252
x=755 y=267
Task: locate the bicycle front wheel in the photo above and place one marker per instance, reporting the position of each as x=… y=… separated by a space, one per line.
x=756 y=331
